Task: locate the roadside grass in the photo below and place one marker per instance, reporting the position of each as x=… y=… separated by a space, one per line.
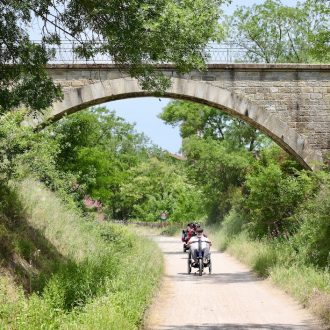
x=277 y=261
x=145 y=228
x=172 y=229
x=310 y=286
x=103 y=279
x=127 y=296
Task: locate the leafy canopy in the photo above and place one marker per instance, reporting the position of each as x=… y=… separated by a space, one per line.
x=272 y=32
x=208 y=122
x=158 y=186
x=135 y=34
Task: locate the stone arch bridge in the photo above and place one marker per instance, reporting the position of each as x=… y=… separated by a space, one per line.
x=288 y=102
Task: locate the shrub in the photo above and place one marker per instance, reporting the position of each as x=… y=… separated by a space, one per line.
x=171 y=229
x=272 y=200
x=313 y=238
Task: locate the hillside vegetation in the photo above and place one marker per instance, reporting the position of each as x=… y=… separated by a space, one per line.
x=60 y=270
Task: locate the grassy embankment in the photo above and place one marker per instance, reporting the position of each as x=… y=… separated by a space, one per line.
x=277 y=261
x=61 y=271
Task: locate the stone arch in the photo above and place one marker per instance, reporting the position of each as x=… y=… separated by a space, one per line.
x=197 y=91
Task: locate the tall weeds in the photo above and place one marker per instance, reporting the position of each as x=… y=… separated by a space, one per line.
x=103 y=279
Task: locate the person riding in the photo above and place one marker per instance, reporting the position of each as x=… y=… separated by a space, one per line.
x=186 y=233
x=193 y=243
x=199 y=226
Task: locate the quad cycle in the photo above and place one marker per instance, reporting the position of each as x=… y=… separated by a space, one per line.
x=202 y=262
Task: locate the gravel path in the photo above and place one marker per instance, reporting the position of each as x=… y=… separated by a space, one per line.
x=230 y=298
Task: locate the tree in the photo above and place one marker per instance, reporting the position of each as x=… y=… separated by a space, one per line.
x=319 y=37
x=272 y=199
x=219 y=151
x=135 y=34
x=199 y=120
x=219 y=170
x=99 y=148
x=272 y=32
x=23 y=79
x=312 y=239
x=156 y=186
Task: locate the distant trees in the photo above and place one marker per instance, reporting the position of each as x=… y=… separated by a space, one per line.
x=207 y=122
x=94 y=153
x=157 y=185
x=219 y=151
x=259 y=190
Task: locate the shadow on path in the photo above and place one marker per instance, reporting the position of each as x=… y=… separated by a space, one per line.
x=175 y=252
x=233 y=326
x=216 y=278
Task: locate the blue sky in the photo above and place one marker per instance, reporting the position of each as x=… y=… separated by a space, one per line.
x=143 y=111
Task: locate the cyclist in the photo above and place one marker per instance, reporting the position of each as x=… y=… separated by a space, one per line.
x=193 y=244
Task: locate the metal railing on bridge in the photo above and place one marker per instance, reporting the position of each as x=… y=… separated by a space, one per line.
x=227 y=52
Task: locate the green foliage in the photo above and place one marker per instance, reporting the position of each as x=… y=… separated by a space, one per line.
x=22 y=64
x=312 y=239
x=24 y=152
x=14 y=140
x=112 y=164
x=272 y=32
x=156 y=186
x=218 y=169
x=208 y=122
x=318 y=33
x=100 y=268
x=99 y=148
x=272 y=199
x=135 y=34
x=94 y=153
x=218 y=150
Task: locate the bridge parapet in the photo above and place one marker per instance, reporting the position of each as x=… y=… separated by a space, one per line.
x=65 y=53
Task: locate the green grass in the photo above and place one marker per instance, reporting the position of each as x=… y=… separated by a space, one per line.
x=104 y=275
x=172 y=229
x=310 y=286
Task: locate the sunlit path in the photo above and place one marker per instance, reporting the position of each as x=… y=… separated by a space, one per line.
x=230 y=298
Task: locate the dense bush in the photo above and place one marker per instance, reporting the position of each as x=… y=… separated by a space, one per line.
x=218 y=169
x=312 y=240
x=272 y=199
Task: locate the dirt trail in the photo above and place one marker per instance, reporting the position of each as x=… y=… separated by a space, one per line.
x=230 y=298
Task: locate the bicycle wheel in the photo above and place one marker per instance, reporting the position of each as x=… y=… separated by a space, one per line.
x=200 y=264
